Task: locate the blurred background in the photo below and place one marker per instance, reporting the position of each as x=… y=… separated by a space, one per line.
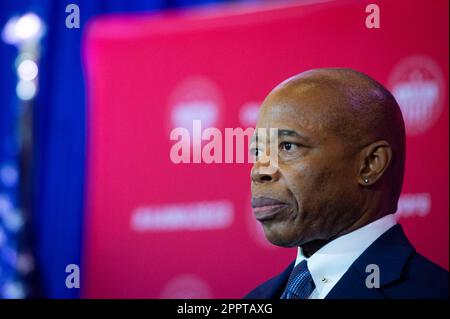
x=87 y=186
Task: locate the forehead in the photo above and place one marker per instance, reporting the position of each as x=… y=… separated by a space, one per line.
x=301 y=110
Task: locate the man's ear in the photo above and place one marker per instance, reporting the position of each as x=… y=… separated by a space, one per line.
x=373 y=161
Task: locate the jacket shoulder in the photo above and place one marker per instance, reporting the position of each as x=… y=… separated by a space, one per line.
x=422 y=279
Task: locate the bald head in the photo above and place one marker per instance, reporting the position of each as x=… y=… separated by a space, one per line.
x=348 y=102
x=355 y=108
x=346 y=169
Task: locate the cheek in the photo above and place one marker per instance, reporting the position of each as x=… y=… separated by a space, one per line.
x=318 y=194
x=306 y=182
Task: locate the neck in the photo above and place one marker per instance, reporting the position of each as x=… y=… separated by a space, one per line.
x=310 y=248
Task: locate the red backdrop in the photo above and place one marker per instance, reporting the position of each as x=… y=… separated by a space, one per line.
x=156 y=229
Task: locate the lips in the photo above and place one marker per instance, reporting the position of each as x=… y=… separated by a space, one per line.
x=265 y=208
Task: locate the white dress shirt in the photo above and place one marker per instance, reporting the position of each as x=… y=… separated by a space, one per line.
x=331 y=262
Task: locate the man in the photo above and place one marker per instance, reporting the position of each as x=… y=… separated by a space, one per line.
x=333 y=189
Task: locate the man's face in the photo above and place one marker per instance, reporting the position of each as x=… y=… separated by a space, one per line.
x=311 y=193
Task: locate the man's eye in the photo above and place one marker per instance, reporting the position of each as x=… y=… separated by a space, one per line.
x=254 y=151
x=287 y=146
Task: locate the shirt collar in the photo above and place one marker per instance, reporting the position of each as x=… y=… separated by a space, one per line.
x=331 y=262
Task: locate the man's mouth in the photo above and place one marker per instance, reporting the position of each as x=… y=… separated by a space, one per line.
x=265 y=208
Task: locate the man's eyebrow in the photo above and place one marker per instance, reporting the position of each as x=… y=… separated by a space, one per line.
x=292 y=133
x=282 y=133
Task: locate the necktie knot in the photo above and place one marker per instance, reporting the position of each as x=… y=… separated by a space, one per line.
x=300 y=284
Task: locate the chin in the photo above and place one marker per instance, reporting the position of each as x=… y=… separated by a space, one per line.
x=281 y=234
x=280 y=239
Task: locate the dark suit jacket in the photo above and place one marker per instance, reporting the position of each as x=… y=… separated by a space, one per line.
x=404 y=274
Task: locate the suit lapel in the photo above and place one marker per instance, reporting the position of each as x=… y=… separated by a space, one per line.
x=389 y=253
x=277 y=286
x=273 y=288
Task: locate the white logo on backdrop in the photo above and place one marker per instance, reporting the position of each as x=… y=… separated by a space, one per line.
x=418 y=86
x=195 y=98
x=187 y=286
x=248 y=114
x=177 y=217
x=418 y=204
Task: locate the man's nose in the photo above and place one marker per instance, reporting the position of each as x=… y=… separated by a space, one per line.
x=264 y=173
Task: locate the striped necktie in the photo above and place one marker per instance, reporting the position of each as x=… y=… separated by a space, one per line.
x=300 y=284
